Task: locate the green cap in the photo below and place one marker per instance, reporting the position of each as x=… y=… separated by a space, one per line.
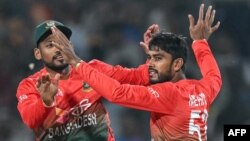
x=43 y=30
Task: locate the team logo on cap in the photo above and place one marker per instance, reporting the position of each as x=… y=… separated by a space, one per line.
x=50 y=24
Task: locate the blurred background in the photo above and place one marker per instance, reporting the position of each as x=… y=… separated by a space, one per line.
x=110 y=30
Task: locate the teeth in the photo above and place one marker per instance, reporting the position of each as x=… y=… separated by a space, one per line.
x=151 y=73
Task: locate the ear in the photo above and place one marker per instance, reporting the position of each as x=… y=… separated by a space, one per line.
x=37 y=54
x=178 y=63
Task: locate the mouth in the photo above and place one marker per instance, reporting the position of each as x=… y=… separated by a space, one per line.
x=152 y=73
x=58 y=58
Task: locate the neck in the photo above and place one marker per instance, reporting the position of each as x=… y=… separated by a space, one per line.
x=178 y=76
x=64 y=74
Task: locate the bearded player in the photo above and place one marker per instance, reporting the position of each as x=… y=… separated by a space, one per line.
x=178 y=106
x=68 y=110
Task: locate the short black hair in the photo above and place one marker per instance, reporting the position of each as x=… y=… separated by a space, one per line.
x=174 y=44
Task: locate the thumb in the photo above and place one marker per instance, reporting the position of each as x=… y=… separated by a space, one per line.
x=191 y=21
x=156 y=29
x=56 y=78
x=144 y=46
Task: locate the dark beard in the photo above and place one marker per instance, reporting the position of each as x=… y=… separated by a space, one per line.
x=161 y=79
x=56 y=68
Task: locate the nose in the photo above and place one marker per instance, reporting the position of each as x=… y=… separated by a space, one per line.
x=57 y=50
x=151 y=63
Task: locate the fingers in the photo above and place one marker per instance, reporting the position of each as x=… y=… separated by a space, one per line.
x=155 y=29
x=211 y=20
x=150 y=31
x=191 y=21
x=208 y=14
x=58 y=33
x=201 y=14
x=56 y=79
x=45 y=78
x=147 y=34
x=151 y=27
x=55 y=30
x=57 y=45
x=38 y=84
x=215 y=27
x=43 y=82
x=144 y=46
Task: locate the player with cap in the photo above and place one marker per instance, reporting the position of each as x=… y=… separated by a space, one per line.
x=68 y=110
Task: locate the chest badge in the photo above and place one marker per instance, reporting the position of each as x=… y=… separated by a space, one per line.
x=86 y=88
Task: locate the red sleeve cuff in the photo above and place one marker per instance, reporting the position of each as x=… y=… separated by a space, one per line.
x=200 y=44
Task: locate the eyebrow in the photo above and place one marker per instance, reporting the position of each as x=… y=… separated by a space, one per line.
x=158 y=55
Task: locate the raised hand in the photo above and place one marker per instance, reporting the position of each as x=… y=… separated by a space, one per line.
x=203 y=28
x=154 y=28
x=65 y=47
x=48 y=88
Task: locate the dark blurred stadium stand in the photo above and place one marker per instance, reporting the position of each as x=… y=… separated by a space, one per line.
x=110 y=30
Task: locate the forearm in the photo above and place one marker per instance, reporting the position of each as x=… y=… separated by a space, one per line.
x=136 y=76
x=133 y=96
x=207 y=64
x=33 y=112
x=205 y=58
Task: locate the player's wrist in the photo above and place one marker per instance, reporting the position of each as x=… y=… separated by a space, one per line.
x=48 y=102
x=76 y=62
x=199 y=40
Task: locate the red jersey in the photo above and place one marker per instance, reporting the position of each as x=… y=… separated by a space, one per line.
x=179 y=110
x=78 y=112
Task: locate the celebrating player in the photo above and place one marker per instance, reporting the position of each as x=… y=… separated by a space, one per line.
x=69 y=109
x=179 y=106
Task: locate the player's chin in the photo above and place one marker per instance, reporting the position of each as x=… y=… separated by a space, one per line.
x=60 y=63
x=153 y=80
x=60 y=67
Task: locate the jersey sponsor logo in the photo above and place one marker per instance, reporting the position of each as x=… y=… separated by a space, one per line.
x=84 y=120
x=22 y=97
x=197 y=100
x=86 y=88
x=77 y=116
x=153 y=92
x=79 y=110
x=75 y=111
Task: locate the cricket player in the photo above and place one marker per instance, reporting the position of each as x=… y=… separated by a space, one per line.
x=68 y=110
x=179 y=106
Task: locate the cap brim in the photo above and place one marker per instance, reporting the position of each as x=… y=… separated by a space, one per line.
x=65 y=30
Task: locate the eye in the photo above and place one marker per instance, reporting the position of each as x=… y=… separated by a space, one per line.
x=158 y=58
x=148 y=57
x=49 y=45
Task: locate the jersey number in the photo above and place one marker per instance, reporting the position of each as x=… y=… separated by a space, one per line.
x=197 y=115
